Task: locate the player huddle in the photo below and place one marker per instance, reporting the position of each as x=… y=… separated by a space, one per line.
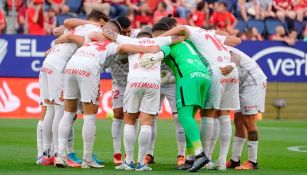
x=195 y=69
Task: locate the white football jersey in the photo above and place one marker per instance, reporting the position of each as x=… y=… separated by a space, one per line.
x=135 y=70
x=248 y=67
x=210 y=46
x=93 y=54
x=61 y=53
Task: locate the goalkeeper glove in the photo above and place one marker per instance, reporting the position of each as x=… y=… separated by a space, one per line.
x=150 y=59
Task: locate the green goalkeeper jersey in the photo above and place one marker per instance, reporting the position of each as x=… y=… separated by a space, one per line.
x=183 y=59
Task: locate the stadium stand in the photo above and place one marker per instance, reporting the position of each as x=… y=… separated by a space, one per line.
x=264 y=21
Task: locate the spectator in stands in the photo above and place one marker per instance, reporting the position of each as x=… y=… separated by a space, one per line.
x=2 y=22
x=35 y=16
x=162 y=10
x=131 y=17
x=222 y=19
x=293 y=35
x=247 y=8
x=135 y=4
x=58 y=6
x=253 y=34
x=118 y=8
x=280 y=35
x=242 y=35
x=50 y=21
x=90 y=5
x=283 y=9
x=198 y=17
x=144 y=16
x=21 y=19
x=264 y=9
x=182 y=8
x=300 y=7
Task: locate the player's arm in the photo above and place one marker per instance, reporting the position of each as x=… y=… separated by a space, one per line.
x=72 y=23
x=130 y=48
x=235 y=61
x=69 y=37
x=59 y=30
x=120 y=39
x=232 y=40
x=179 y=30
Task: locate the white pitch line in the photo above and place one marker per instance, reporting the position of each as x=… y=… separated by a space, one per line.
x=297 y=149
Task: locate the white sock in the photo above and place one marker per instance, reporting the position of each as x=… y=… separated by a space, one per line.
x=206 y=132
x=58 y=115
x=252 y=149
x=47 y=129
x=153 y=137
x=225 y=134
x=144 y=140
x=129 y=141
x=237 y=146
x=117 y=134
x=70 y=143
x=39 y=138
x=214 y=138
x=88 y=135
x=179 y=136
x=137 y=126
x=64 y=131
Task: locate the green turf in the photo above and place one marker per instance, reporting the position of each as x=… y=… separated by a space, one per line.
x=18 y=149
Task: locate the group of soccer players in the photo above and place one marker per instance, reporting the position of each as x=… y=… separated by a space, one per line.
x=195 y=69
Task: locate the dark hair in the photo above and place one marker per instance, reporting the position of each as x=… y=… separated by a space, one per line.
x=163 y=4
x=117 y=25
x=200 y=5
x=123 y=21
x=171 y=22
x=160 y=26
x=97 y=15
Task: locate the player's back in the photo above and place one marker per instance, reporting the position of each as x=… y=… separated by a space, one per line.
x=184 y=59
x=93 y=54
x=61 y=53
x=210 y=46
x=248 y=67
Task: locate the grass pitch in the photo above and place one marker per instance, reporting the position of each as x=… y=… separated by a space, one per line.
x=18 y=149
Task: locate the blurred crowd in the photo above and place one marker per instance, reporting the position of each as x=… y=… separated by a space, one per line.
x=282 y=20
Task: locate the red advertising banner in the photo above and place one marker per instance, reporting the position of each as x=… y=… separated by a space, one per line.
x=19 y=98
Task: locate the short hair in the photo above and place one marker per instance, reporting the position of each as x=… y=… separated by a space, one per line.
x=160 y=26
x=200 y=5
x=163 y=4
x=97 y=15
x=117 y=25
x=169 y=20
x=123 y=21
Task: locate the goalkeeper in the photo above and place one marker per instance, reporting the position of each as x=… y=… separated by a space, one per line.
x=192 y=84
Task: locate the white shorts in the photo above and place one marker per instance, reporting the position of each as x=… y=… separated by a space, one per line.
x=252 y=98
x=169 y=91
x=51 y=85
x=224 y=92
x=142 y=95
x=117 y=96
x=80 y=83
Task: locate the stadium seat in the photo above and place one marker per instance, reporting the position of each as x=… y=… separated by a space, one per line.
x=298 y=26
x=271 y=24
x=61 y=19
x=258 y=24
x=74 y=5
x=241 y=26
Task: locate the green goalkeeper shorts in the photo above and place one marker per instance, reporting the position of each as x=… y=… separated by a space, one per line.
x=192 y=89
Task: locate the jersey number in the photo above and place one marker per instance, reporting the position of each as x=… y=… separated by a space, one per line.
x=115 y=94
x=216 y=42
